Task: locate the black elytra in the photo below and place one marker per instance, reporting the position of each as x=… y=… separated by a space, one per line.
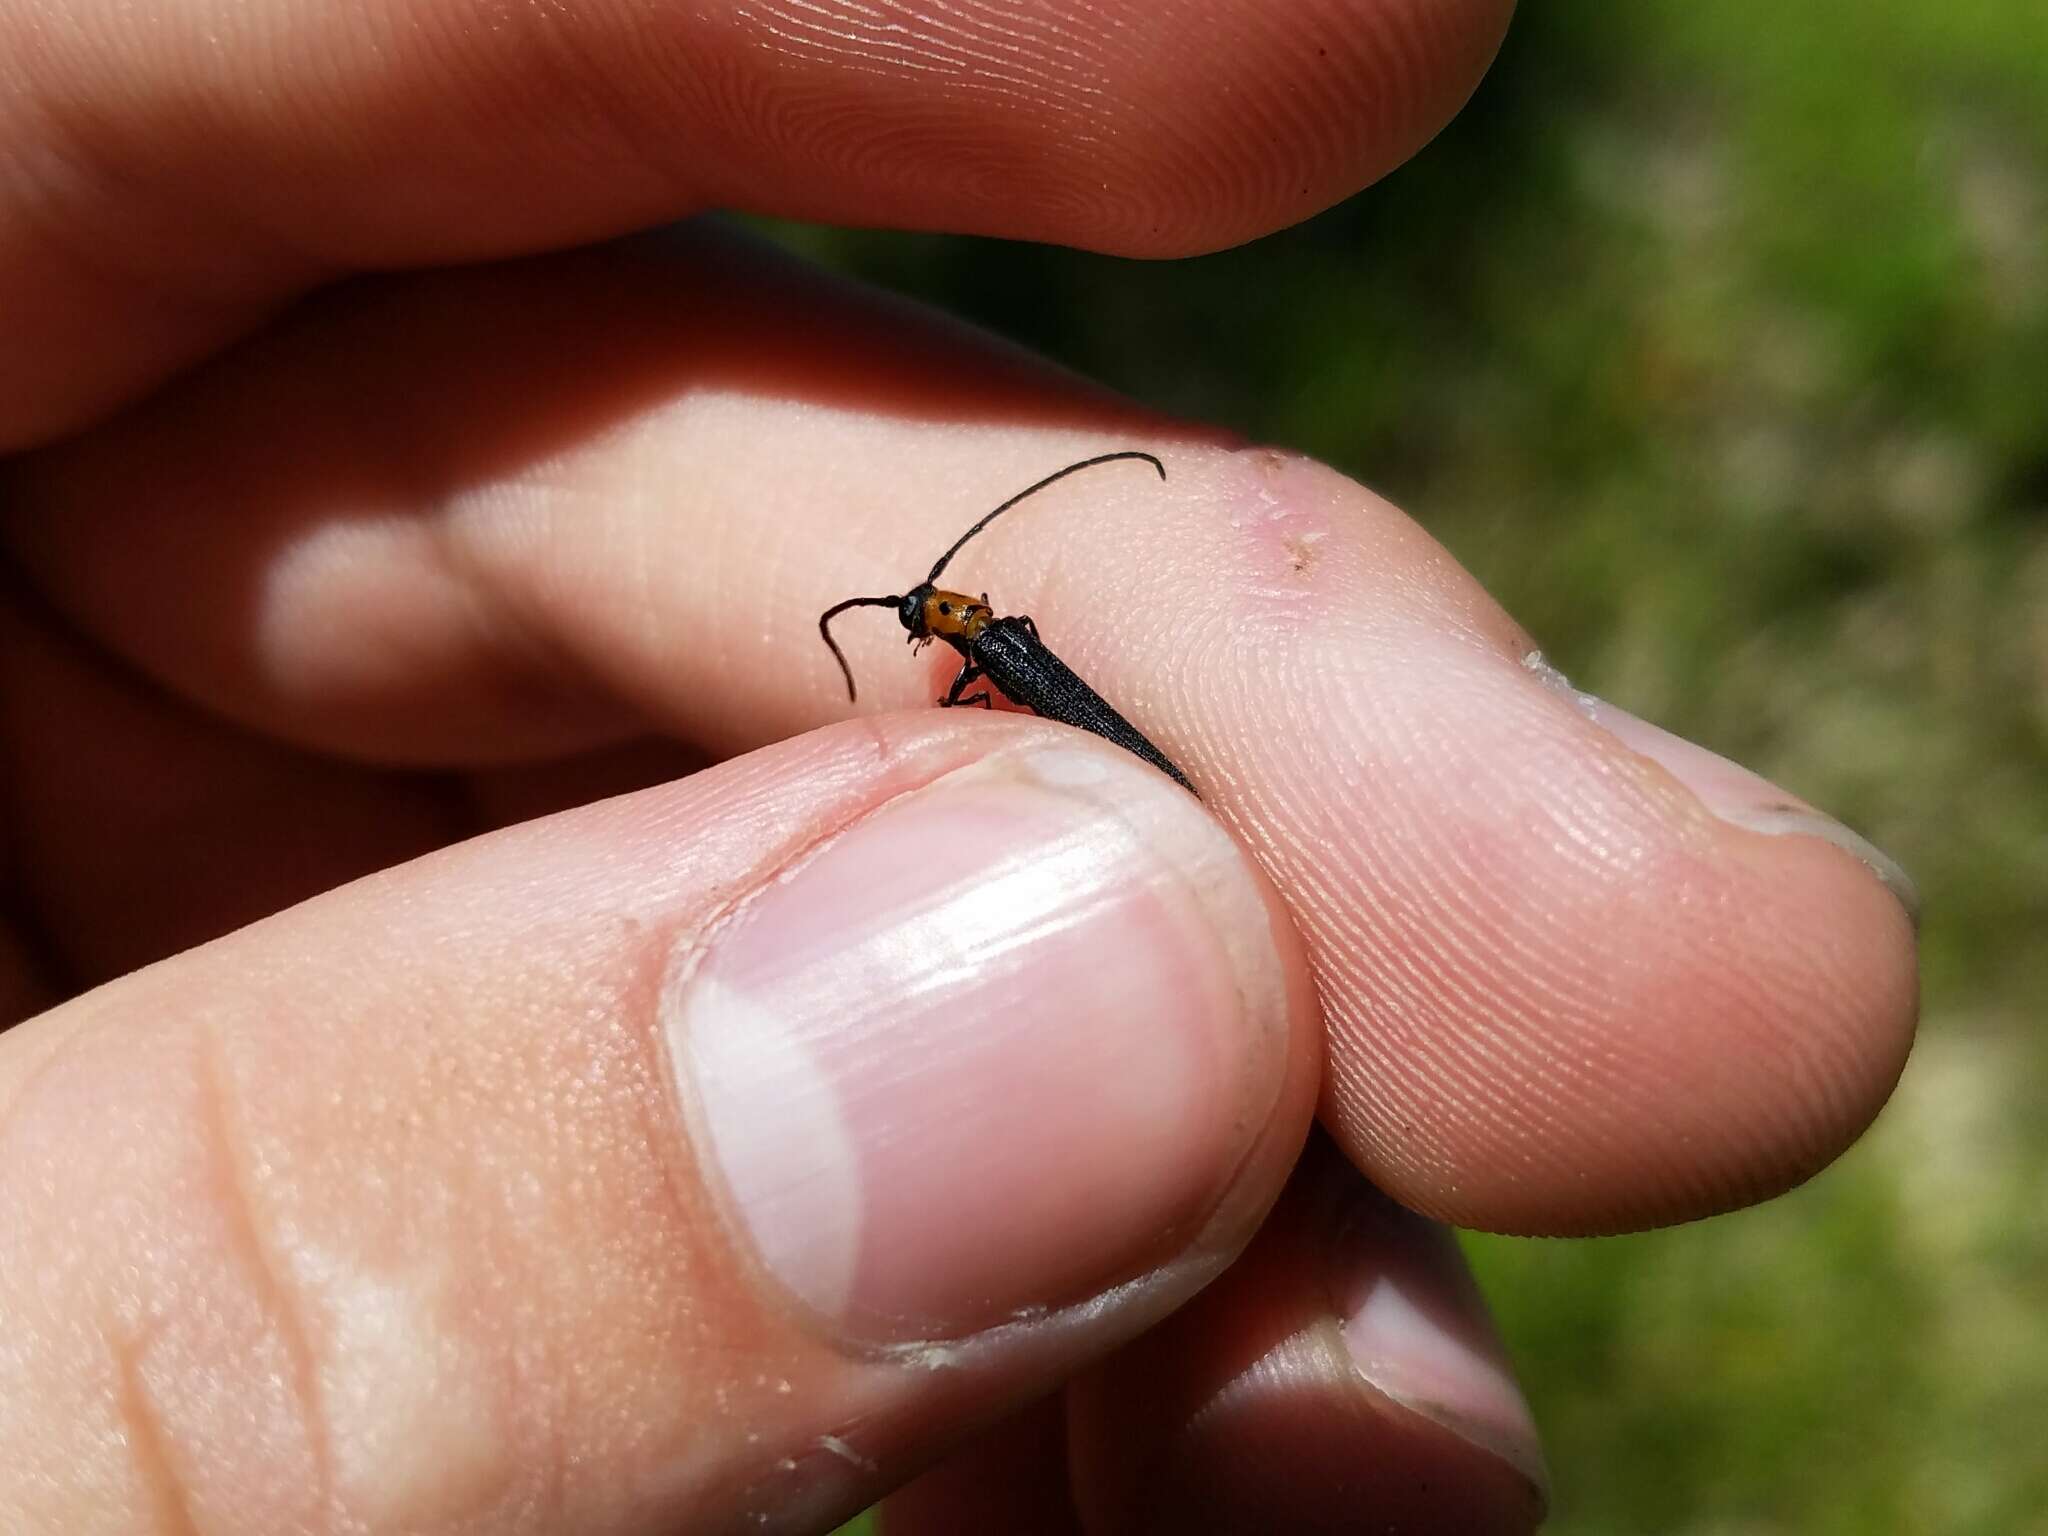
x=1006 y=652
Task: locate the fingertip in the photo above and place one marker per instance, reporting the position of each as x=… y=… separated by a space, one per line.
x=1344 y=1372
x=1570 y=989
x=1734 y=793
x=1017 y=1035
x=1326 y=98
x=1825 y=925
x=437 y=141
x=1687 y=1015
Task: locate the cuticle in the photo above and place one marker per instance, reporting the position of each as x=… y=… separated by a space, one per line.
x=790 y=861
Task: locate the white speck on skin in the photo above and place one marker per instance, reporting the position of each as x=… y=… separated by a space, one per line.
x=846 y=1453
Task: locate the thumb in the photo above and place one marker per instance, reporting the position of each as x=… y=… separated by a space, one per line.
x=717 y=1154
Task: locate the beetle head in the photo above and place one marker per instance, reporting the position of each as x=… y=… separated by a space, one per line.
x=910 y=609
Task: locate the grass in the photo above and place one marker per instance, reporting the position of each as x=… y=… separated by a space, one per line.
x=1714 y=339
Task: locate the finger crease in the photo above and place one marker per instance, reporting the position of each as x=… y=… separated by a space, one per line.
x=244 y=1231
x=147 y=1452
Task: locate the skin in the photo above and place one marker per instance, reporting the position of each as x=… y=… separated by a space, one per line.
x=358 y=505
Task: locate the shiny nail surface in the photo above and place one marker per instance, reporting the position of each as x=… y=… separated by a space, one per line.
x=1731 y=791
x=995 y=1047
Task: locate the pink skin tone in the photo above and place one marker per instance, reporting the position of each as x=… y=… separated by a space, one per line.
x=1090 y=125
x=956 y=939
x=497 y=1150
x=1433 y=778
x=747 y=1145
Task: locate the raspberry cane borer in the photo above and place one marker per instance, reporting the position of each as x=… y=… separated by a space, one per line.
x=1005 y=651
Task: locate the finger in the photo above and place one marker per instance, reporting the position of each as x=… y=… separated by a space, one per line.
x=346 y=608
x=714 y=1154
x=1343 y=1376
x=137 y=827
x=1010 y=1480
x=1576 y=980
x=175 y=176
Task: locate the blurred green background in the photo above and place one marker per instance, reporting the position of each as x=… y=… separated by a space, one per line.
x=1714 y=339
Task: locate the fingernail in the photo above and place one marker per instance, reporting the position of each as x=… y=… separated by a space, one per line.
x=1734 y=793
x=998 y=1046
x=1419 y=1331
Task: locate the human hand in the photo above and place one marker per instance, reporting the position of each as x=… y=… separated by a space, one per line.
x=740 y=1147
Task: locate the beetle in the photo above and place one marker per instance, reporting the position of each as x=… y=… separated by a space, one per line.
x=1006 y=651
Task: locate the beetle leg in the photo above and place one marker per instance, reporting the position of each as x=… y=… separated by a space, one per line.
x=970 y=673
x=1030 y=627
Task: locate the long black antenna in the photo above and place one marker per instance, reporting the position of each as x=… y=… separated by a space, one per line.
x=825 y=629
x=1029 y=490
